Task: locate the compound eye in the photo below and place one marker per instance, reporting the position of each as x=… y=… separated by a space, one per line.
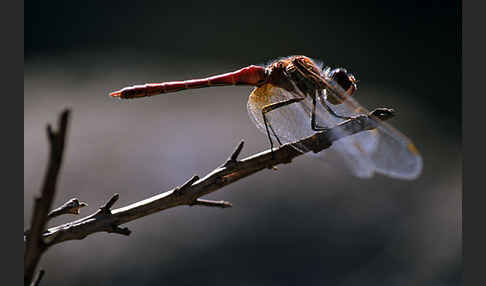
x=346 y=80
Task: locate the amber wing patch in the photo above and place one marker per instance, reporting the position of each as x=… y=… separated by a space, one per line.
x=261 y=96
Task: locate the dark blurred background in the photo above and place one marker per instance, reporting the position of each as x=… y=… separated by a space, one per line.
x=308 y=223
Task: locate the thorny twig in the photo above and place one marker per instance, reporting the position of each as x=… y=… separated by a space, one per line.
x=108 y=220
x=190 y=192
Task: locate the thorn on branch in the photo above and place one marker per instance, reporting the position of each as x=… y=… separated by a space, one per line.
x=210 y=203
x=38 y=278
x=120 y=230
x=234 y=156
x=106 y=208
x=182 y=189
x=70 y=207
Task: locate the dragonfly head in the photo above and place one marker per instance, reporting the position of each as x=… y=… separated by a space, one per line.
x=345 y=79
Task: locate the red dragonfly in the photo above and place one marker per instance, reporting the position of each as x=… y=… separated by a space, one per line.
x=295 y=97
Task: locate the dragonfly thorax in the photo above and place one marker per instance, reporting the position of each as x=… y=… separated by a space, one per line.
x=301 y=75
x=296 y=72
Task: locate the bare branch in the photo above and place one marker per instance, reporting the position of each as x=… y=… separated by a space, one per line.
x=34 y=245
x=189 y=192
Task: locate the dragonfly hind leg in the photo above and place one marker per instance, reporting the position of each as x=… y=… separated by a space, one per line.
x=273 y=106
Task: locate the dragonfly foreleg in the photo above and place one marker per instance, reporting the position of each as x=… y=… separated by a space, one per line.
x=329 y=109
x=273 y=106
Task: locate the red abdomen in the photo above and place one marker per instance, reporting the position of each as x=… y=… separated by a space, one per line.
x=251 y=75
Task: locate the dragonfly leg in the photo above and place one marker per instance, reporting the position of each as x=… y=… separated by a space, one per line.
x=275 y=134
x=273 y=106
x=313 y=118
x=329 y=109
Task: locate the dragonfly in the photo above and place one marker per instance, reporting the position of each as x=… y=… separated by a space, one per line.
x=293 y=98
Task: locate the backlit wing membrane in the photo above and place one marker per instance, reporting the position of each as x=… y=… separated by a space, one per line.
x=394 y=155
x=290 y=123
x=383 y=150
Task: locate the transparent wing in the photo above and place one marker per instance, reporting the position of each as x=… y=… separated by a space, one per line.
x=355 y=150
x=289 y=123
x=293 y=122
x=394 y=154
x=384 y=150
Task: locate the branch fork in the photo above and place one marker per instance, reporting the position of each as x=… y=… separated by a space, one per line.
x=233 y=159
x=182 y=190
x=106 y=208
x=105 y=211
